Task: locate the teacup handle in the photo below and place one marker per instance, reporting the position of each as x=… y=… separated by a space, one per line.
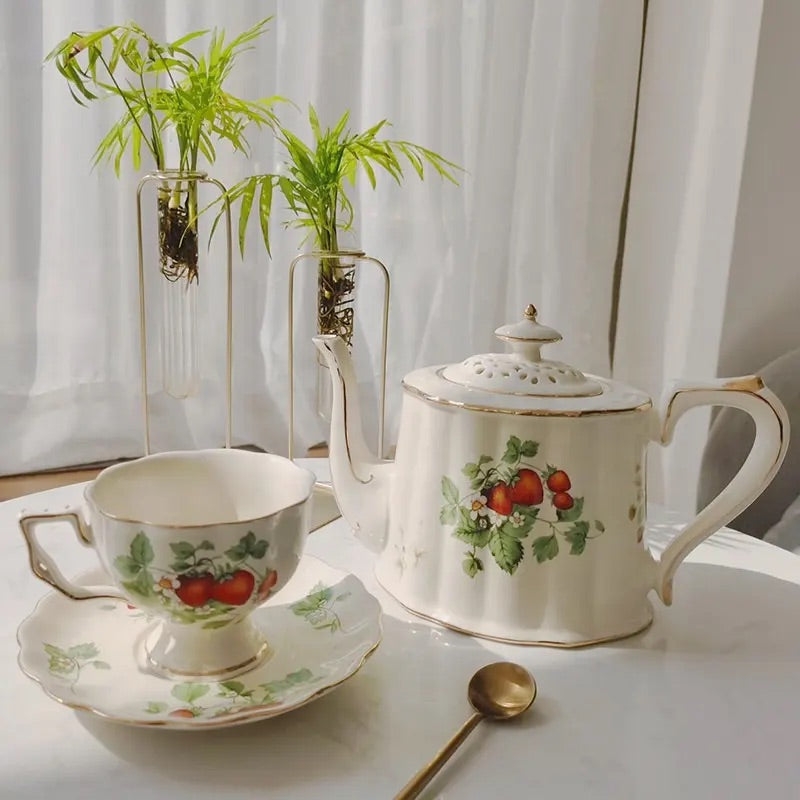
x=772 y=438
x=43 y=565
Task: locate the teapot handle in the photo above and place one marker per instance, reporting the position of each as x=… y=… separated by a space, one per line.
x=769 y=448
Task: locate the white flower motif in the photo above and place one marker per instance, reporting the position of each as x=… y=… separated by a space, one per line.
x=478 y=507
x=495 y=518
x=166 y=584
x=517 y=520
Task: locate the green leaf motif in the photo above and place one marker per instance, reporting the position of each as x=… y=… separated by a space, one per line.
x=205 y=545
x=259 y=549
x=141 y=549
x=183 y=550
x=472 y=565
x=473 y=536
x=100 y=664
x=507 y=550
x=599 y=525
x=127 y=567
x=448 y=515
x=312 y=602
x=484 y=460
x=529 y=449
x=449 y=491
x=470 y=470
x=155 y=708
x=189 y=692
x=576 y=537
x=235 y=687
x=571 y=514
x=83 y=652
x=545 y=548
x=513 y=450
x=237 y=553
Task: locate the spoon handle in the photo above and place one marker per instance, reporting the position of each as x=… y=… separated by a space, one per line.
x=413 y=788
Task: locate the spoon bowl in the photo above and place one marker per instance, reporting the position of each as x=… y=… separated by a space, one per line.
x=501 y=690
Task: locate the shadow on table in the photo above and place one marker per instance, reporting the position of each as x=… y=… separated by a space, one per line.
x=364 y=720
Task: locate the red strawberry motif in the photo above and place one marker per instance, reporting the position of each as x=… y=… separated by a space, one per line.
x=181 y=713
x=195 y=590
x=499 y=499
x=559 y=481
x=527 y=491
x=563 y=501
x=266 y=586
x=235 y=590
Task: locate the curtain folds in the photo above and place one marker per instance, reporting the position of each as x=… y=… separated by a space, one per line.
x=534 y=99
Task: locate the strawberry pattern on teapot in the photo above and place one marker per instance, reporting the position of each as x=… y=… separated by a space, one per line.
x=509 y=498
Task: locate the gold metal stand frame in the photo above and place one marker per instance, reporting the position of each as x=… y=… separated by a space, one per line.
x=200 y=177
x=360 y=257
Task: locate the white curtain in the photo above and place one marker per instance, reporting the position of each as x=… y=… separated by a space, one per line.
x=696 y=90
x=534 y=99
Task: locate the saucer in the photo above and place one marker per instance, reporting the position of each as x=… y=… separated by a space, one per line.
x=87 y=654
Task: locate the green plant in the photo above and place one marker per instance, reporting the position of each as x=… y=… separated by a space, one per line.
x=165 y=88
x=314 y=184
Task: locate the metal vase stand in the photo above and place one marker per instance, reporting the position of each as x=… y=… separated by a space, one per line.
x=198 y=177
x=313 y=258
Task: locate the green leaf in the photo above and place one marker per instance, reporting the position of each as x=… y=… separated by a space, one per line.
x=449 y=491
x=180 y=566
x=205 y=545
x=470 y=470
x=571 y=514
x=529 y=449
x=182 y=550
x=156 y=708
x=53 y=650
x=472 y=565
x=512 y=453
x=599 y=525
x=518 y=531
x=448 y=515
x=83 y=652
x=237 y=553
x=237 y=687
x=264 y=210
x=127 y=567
x=244 y=211
x=576 y=537
x=473 y=535
x=477 y=483
x=141 y=550
x=545 y=548
x=189 y=692
x=299 y=676
x=100 y=664
x=259 y=548
x=484 y=460
x=507 y=550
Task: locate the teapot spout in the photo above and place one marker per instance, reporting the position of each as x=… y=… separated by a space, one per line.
x=361 y=481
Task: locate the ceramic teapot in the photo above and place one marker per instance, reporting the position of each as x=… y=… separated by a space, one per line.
x=515 y=508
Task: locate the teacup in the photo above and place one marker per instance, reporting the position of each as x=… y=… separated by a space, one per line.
x=198 y=539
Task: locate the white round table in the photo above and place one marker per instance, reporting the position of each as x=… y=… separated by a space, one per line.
x=705 y=704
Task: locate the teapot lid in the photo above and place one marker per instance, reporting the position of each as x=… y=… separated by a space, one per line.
x=523 y=371
x=521 y=381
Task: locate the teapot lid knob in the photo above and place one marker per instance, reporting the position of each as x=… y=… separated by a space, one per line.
x=528 y=335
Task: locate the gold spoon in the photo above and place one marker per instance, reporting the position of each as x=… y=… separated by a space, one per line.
x=497 y=691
